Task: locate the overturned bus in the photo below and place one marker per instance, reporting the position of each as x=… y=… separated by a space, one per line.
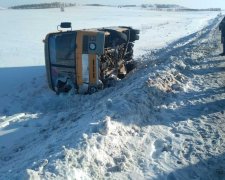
x=90 y=59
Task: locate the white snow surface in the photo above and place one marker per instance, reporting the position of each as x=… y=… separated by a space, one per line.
x=165 y=120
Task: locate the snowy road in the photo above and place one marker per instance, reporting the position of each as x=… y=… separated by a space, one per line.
x=166 y=120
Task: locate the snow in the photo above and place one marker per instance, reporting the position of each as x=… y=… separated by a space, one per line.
x=165 y=120
x=27 y=28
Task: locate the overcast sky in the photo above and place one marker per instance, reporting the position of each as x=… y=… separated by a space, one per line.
x=186 y=3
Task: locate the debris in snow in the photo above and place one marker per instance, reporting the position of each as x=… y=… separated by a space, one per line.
x=104 y=126
x=109 y=103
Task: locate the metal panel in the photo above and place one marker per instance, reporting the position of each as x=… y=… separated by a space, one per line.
x=79 y=47
x=86 y=58
x=85 y=68
x=92 y=69
x=85 y=44
x=100 y=43
x=47 y=63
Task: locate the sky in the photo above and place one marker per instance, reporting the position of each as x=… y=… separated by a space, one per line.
x=185 y=3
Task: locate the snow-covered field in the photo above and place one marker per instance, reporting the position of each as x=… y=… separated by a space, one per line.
x=166 y=120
